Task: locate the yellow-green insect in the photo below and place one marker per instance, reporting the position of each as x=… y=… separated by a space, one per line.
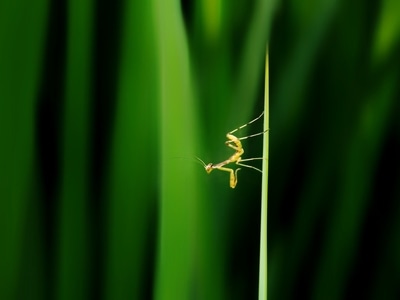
x=234 y=143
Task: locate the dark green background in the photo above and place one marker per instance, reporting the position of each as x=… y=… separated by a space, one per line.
x=105 y=104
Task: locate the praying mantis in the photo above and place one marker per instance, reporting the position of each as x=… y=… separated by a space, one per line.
x=234 y=143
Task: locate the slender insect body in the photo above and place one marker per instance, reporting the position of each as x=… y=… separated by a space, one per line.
x=234 y=143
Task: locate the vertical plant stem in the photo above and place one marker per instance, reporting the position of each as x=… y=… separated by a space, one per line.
x=133 y=178
x=22 y=34
x=179 y=188
x=262 y=288
x=73 y=232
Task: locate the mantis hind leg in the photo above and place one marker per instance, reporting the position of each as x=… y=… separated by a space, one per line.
x=238 y=162
x=248 y=166
x=248 y=123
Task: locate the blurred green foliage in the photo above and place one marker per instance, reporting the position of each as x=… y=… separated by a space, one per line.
x=105 y=105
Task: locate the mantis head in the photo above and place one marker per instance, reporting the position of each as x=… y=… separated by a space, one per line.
x=207 y=167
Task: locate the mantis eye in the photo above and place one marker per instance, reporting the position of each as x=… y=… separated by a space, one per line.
x=208 y=167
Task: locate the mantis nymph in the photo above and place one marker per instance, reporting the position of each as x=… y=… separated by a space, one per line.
x=234 y=143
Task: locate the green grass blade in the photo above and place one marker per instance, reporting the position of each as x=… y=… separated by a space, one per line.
x=73 y=239
x=179 y=187
x=22 y=33
x=262 y=290
x=133 y=173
